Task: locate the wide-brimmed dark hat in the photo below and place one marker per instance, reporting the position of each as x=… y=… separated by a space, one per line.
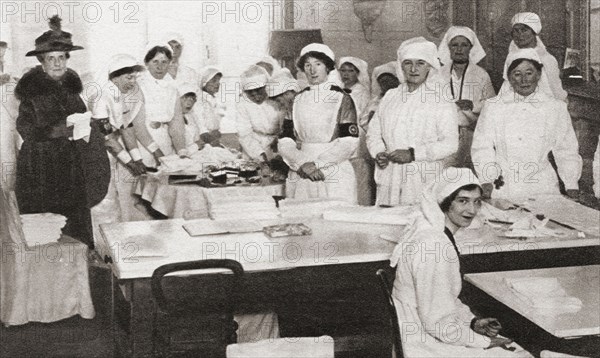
x=53 y=40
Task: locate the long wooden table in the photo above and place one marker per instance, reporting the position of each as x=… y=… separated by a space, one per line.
x=338 y=260
x=287 y=271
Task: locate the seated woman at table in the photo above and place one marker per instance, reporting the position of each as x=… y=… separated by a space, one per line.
x=518 y=129
x=433 y=320
x=257 y=120
x=324 y=135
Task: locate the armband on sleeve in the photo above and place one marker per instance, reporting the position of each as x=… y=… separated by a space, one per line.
x=348 y=130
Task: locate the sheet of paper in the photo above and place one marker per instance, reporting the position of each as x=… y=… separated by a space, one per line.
x=215 y=227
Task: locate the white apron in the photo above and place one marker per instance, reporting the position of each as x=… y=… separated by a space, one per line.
x=315 y=116
x=411 y=120
x=160 y=98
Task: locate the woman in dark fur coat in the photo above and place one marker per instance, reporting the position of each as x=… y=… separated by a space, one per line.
x=55 y=173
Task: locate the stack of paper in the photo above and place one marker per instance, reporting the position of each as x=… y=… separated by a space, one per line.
x=399 y=215
x=41 y=229
x=544 y=293
x=243 y=208
x=290 y=208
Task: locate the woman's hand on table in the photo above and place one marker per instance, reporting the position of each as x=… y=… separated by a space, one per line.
x=486 y=326
x=136 y=168
x=382 y=160
x=501 y=342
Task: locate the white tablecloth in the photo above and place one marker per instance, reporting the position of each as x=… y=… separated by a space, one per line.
x=192 y=201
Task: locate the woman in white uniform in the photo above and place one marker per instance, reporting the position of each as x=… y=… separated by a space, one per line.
x=518 y=129
x=414 y=129
x=164 y=118
x=433 y=320
x=325 y=133
x=209 y=111
x=115 y=111
x=526 y=27
x=257 y=119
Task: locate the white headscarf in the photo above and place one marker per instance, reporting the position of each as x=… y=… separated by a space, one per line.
x=271 y=61
x=543 y=86
x=363 y=70
x=281 y=82
x=187 y=87
x=421 y=49
x=532 y=20
x=433 y=218
x=254 y=77
x=477 y=52
x=390 y=67
x=334 y=75
x=115 y=63
x=207 y=73
x=316 y=47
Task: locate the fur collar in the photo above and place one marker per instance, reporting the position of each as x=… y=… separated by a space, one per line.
x=37 y=83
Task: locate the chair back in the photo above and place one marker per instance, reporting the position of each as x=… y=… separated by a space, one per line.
x=197 y=306
x=393 y=315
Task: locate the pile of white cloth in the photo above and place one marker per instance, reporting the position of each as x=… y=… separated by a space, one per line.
x=544 y=293
x=41 y=229
x=199 y=161
x=290 y=208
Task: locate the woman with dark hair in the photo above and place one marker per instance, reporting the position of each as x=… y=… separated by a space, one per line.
x=518 y=129
x=164 y=118
x=434 y=321
x=318 y=145
x=56 y=173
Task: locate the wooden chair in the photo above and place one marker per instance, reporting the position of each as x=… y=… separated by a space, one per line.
x=393 y=315
x=193 y=315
